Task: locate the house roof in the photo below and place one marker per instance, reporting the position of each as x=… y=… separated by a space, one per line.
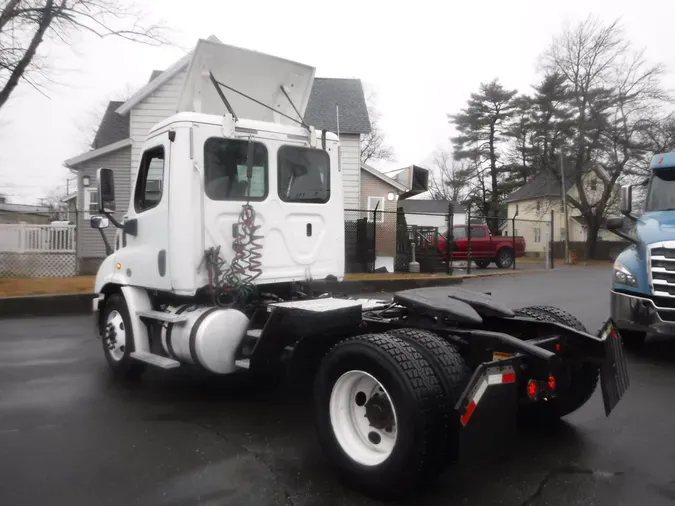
x=90 y=155
x=347 y=95
x=383 y=177
x=544 y=184
x=424 y=206
x=113 y=127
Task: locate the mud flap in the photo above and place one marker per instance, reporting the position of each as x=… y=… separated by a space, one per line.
x=488 y=410
x=614 y=379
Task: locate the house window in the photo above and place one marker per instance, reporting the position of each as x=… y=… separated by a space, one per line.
x=90 y=202
x=594 y=184
x=304 y=175
x=225 y=170
x=372 y=203
x=562 y=233
x=150 y=182
x=537 y=235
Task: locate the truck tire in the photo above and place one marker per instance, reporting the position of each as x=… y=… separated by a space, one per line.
x=377 y=419
x=483 y=263
x=504 y=258
x=453 y=375
x=584 y=377
x=117 y=339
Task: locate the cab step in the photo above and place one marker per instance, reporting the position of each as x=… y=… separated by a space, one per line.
x=156 y=360
x=254 y=333
x=243 y=363
x=162 y=316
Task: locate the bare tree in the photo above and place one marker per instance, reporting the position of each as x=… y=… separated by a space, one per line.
x=612 y=91
x=26 y=24
x=450 y=178
x=374 y=146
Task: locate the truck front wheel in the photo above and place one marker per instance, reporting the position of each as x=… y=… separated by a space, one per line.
x=118 y=339
x=375 y=400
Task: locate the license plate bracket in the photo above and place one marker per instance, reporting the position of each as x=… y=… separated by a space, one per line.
x=614 y=379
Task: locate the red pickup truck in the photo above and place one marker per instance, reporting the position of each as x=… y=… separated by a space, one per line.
x=485 y=249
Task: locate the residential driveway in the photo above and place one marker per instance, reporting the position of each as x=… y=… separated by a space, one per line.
x=71 y=436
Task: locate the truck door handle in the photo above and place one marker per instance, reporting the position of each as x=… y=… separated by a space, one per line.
x=309 y=230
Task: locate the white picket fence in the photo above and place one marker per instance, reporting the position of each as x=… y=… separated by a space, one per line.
x=37 y=250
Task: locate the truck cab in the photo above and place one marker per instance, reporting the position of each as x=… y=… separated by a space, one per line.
x=643 y=280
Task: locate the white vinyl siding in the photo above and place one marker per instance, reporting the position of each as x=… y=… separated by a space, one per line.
x=350 y=157
x=161 y=104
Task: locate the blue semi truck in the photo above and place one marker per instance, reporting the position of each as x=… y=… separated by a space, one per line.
x=643 y=281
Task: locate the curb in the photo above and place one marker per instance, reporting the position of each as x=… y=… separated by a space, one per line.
x=46 y=305
x=81 y=303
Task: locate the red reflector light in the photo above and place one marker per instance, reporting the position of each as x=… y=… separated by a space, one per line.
x=509 y=377
x=551 y=382
x=532 y=389
x=557 y=347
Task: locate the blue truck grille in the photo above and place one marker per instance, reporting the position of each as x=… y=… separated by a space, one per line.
x=662 y=269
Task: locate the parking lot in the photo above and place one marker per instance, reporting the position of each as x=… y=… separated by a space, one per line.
x=71 y=436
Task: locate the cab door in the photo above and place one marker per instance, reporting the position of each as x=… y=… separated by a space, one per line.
x=145 y=235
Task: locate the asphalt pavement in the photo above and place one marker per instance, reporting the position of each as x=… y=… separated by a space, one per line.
x=70 y=435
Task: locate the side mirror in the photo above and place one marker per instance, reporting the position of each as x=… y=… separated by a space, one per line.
x=99 y=222
x=614 y=224
x=626 y=199
x=105 y=181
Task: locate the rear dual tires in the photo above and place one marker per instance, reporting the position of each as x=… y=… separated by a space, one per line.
x=383 y=411
x=583 y=377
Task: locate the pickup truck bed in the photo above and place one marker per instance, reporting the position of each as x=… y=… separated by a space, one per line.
x=485 y=248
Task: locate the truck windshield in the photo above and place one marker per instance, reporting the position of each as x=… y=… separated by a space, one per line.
x=661 y=196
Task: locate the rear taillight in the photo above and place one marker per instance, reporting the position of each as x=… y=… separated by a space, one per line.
x=551 y=382
x=532 y=389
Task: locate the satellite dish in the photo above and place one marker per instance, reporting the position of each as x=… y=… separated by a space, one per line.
x=258 y=75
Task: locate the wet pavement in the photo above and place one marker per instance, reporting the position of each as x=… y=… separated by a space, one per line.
x=69 y=435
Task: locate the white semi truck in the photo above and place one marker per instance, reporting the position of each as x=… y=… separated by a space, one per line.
x=235 y=210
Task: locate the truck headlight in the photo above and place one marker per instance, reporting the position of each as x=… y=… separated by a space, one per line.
x=623 y=276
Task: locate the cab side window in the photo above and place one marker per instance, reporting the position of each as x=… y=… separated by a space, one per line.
x=150 y=182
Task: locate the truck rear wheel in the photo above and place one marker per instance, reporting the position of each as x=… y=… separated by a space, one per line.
x=117 y=338
x=375 y=400
x=483 y=263
x=583 y=377
x=453 y=375
x=504 y=258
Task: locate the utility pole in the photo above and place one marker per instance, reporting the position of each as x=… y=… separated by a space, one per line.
x=563 y=187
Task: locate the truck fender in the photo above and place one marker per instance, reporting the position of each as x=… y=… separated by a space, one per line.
x=137 y=299
x=502 y=246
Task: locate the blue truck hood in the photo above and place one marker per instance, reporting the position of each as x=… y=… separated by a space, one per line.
x=656 y=226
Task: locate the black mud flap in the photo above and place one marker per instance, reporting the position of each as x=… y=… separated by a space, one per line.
x=614 y=379
x=488 y=410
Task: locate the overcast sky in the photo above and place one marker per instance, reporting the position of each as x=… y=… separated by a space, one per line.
x=422 y=58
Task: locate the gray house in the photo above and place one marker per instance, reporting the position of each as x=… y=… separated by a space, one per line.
x=120 y=136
